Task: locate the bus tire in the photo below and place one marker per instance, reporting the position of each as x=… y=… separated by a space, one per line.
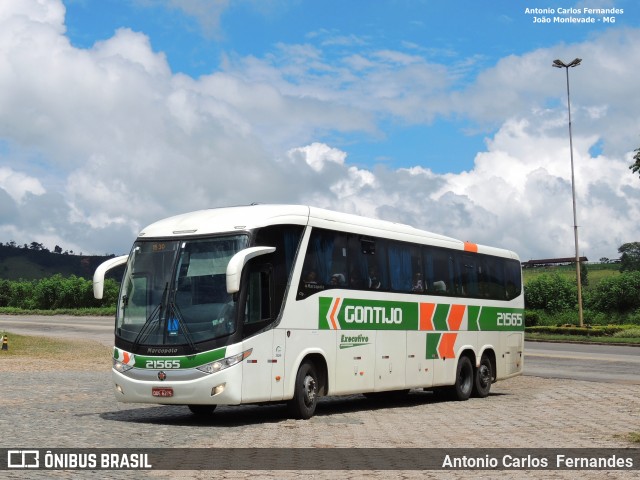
x=461 y=390
x=483 y=378
x=202 y=410
x=305 y=393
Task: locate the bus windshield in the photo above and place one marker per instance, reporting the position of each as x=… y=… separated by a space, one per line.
x=174 y=292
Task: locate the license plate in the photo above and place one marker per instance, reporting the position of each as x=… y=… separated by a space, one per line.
x=162 y=392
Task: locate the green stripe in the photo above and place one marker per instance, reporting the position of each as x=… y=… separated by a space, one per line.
x=432 y=345
x=356 y=314
x=501 y=319
x=186 y=361
x=473 y=312
x=440 y=316
x=324 y=306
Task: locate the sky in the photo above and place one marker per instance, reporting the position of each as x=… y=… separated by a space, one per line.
x=445 y=115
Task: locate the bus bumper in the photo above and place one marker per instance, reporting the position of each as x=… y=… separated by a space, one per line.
x=221 y=388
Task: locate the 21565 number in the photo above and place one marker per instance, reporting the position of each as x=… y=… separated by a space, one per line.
x=510 y=319
x=166 y=364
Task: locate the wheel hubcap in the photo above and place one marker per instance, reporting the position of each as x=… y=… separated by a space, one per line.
x=309 y=390
x=484 y=374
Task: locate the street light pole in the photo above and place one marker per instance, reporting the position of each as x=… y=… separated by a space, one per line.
x=561 y=64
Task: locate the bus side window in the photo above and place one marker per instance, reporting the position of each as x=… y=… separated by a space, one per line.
x=442 y=273
x=468 y=275
x=258 y=309
x=325 y=263
x=361 y=253
x=405 y=268
x=513 y=275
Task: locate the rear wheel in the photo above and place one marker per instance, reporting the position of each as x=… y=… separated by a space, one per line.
x=463 y=387
x=202 y=410
x=483 y=378
x=305 y=395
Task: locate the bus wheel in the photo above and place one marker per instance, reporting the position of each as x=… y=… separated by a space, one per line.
x=202 y=410
x=463 y=387
x=305 y=395
x=484 y=377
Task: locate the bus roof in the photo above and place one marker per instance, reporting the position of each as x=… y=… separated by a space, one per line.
x=244 y=218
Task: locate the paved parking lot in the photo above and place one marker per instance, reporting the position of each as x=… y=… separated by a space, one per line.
x=73 y=409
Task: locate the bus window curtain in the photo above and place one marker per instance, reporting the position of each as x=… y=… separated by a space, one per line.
x=323 y=252
x=291 y=239
x=428 y=269
x=400 y=268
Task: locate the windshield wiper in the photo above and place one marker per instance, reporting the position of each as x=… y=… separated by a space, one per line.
x=145 y=330
x=173 y=308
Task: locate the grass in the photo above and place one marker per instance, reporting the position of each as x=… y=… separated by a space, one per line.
x=46 y=353
x=595 y=272
x=633 y=437
x=552 y=337
x=76 y=312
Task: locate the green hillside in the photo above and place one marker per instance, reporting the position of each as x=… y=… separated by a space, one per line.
x=17 y=263
x=595 y=272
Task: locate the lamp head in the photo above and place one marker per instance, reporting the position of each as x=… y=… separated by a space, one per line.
x=560 y=64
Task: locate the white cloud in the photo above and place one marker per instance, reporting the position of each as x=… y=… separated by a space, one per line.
x=108 y=139
x=18 y=184
x=317 y=155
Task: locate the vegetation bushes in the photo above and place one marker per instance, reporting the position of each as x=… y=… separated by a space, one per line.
x=628 y=333
x=551 y=299
x=56 y=292
x=551 y=293
x=616 y=294
x=598 y=331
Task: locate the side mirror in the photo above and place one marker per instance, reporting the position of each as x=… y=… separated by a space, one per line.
x=237 y=263
x=98 y=276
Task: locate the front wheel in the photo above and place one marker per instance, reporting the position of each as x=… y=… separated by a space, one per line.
x=463 y=387
x=483 y=378
x=305 y=395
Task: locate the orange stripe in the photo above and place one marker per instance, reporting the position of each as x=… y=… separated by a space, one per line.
x=336 y=305
x=470 y=247
x=426 y=316
x=447 y=342
x=455 y=316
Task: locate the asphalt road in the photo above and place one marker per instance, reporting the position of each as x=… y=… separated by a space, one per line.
x=99 y=329
x=598 y=363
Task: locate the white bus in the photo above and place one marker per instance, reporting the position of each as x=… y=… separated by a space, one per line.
x=277 y=303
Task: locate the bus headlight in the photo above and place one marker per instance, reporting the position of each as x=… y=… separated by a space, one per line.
x=120 y=367
x=218 y=365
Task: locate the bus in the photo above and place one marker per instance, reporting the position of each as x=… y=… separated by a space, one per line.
x=289 y=303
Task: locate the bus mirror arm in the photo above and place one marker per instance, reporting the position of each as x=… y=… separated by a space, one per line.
x=237 y=263
x=98 y=276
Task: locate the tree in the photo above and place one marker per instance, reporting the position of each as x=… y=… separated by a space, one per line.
x=635 y=167
x=630 y=256
x=584 y=275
